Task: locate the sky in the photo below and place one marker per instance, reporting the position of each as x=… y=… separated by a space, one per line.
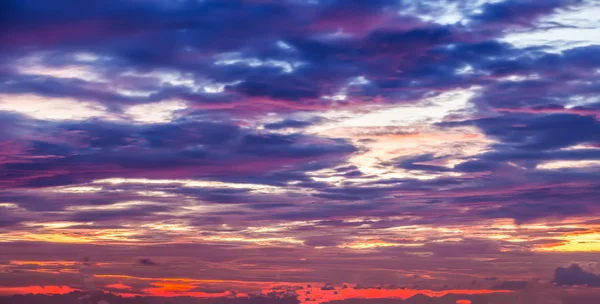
x=312 y=150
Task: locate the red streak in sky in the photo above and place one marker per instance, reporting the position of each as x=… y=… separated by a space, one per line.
x=313 y=295
x=48 y=289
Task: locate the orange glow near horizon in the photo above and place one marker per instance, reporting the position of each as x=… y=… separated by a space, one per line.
x=321 y=296
x=314 y=294
x=50 y=289
x=581 y=242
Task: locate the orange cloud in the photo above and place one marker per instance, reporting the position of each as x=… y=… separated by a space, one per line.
x=316 y=295
x=175 y=287
x=118 y=286
x=168 y=289
x=52 y=289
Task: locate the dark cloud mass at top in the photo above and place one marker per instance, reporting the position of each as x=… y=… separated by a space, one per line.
x=253 y=144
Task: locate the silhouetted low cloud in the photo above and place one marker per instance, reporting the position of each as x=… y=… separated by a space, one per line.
x=575 y=275
x=147 y=262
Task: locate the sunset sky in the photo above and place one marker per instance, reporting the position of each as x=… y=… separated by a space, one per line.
x=314 y=149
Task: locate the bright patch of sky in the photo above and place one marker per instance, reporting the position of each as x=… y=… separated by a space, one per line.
x=405 y=130
x=85 y=57
x=429 y=110
x=577 y=27
x=443 y=12
x=187 y=183
x=167 y=77
x=158 y=112
x=235 y=58
x=48 y=108
x=342 y=93
x=580 y=101
x=569 y=164
x=176 y=78
x=71 y=71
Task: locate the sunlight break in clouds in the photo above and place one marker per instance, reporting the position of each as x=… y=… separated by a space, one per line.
x=161 y=112
x=52 y=108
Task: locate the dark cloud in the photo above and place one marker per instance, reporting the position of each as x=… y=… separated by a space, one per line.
x=575 y=275
x=147 y=262
x=111 y=298
x=525 y=212
x=114 y=214
x=415 y=163
x=288 y=123
x=9 y=219
x=176 y=148
x=513 y=12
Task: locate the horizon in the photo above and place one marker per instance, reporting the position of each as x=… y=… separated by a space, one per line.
x=300 y=151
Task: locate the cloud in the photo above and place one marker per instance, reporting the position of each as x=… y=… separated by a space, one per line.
x=146 y=262
x=287 y=124
x=120 y=213
x=575 y=275
x=322 y=241
x=522 y=13
x=111 y=298
x=274 y=141
x=177 y=148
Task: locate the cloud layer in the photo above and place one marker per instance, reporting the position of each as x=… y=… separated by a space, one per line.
x=427 y=144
